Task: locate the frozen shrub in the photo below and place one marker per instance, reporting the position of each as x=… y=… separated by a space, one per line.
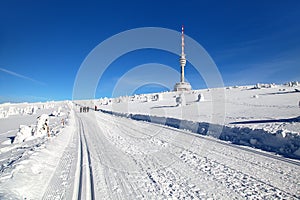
x=24 y=133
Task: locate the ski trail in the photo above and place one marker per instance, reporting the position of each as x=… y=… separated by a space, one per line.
x=118 y=158
x=84 y=184
x=121 y=133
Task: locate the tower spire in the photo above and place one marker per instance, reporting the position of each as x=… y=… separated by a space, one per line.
x=182 y=40
x=182 y=85
x=182 y=56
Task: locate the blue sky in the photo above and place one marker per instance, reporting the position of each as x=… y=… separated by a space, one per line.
x=43 y=43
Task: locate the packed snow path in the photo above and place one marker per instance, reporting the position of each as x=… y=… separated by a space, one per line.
x=118 y=158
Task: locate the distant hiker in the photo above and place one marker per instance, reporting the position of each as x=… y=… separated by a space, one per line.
x=200 y=97
x=63 y=122
x=299 y=104
x=87 y=109
x=95 y=108
x=84 y=109
x=80 y=109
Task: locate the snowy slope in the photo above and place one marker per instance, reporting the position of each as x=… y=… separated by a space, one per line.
x=266 y=118
x=24 y=119
x=109 y=157
x=96 y=155
x=242 y=104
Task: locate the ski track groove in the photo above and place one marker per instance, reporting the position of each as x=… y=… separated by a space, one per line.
x=110 y=172
x=85 y=164
x=59 y=185
x=162 y=168
x=244 y=175
x=63 y=184
x=281 y=192
x=173 y=170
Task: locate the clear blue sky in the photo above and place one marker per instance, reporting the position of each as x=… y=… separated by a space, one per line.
x=43 y=43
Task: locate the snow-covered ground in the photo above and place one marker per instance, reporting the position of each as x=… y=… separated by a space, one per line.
x=267 y=115
x=23 y=133
x=244 y=105
x=96 y=155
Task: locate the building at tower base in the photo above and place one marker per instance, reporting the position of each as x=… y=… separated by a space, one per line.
x=182 y=86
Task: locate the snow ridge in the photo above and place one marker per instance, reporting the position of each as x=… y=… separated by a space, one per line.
x=287 y=146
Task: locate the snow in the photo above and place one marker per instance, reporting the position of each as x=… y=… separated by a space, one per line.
x=31 y=176
x=155 y=146
x=269 y=113
x=25 y=133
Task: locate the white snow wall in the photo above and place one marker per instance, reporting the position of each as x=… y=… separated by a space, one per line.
x=287 y=146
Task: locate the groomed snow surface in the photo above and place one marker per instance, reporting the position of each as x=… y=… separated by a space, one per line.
x=155 y=146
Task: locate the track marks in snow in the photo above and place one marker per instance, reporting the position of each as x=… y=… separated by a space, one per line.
x=84 y=185
x=60 y=185
x=73 y=177
x=260 y=167
x=122 y=159
x=112 y=160
x=219 y=169
x=156 y=175
x=244 y=185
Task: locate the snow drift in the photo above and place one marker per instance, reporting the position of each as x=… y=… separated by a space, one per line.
x=287 y=144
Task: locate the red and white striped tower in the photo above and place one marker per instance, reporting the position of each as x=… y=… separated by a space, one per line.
x=182 y=85
x=182 y=56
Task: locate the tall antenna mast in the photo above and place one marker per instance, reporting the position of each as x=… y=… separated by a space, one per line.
x=182 y=59
x=182 y=85
x=182 y=41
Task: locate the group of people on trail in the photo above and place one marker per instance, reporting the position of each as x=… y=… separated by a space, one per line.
x=84 y=109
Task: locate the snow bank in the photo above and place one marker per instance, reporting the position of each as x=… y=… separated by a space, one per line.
x=259 y=86
x=30 y=110
x=28 y=133
x=287 y=146
x=3 y=114
x=58 y=112
x=25 y=133
x=21 y=110
x=292 y=84
x=27 y=174
x=180 y=100
x=42 y=125
x=10 y=109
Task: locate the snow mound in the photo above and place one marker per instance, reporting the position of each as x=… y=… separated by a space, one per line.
x=292 y=84
x=57 y=113
x=30 y=110
x=180 y=100
x=3 y=114
x=259 y=85
x=8 y=110
x=42 y=127
x=12 y=111
x=282 y=143
x=25 y=132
